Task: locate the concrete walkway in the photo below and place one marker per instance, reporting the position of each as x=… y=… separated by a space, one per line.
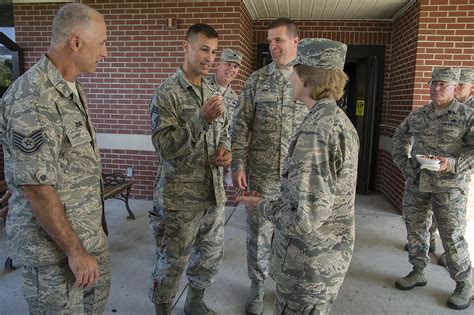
x=368 y=288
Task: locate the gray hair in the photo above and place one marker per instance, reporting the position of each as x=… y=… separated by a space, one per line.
x=68 y=19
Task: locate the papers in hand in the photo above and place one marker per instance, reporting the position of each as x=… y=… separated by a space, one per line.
x=428 y=163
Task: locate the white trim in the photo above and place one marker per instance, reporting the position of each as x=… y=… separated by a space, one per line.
x=113 y=141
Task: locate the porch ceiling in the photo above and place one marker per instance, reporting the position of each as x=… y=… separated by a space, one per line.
x=327 y=9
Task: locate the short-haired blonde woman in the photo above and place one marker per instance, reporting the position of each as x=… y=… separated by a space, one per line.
x=313 y=215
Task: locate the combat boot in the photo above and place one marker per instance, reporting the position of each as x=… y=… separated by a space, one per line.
x=255 y=300
x=432 y=243
x=462 y=295
x=416 y=278
x=194 y=304
x=442 y=260
x=163 y=309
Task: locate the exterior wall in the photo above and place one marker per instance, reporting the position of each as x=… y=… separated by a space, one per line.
x=142 y=54
x=399 y=101
x=433 y=33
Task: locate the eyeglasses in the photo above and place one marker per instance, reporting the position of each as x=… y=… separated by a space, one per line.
x=440 y=84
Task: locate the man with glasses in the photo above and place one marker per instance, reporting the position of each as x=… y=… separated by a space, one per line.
x=442 y=136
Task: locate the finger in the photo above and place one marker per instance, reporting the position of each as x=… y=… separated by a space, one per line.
x=79 y=280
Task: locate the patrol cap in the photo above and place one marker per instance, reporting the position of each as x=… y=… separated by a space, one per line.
x=445 y=74
x=228 y=54
x=321 y=53
x=467 y=75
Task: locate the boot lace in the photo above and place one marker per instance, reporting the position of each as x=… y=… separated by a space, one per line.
x=459 y=288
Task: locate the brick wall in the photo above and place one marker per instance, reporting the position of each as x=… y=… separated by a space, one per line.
x=142 y=53
x=432 y=34
x=398 y=99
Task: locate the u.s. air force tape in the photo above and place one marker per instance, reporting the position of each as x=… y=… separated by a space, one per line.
x=28 y=144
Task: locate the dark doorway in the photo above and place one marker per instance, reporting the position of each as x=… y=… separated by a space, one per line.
x=362 y=103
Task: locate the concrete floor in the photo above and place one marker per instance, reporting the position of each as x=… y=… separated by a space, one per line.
x=368 y=288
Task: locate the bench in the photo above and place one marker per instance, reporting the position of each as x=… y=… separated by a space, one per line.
x=117 y=187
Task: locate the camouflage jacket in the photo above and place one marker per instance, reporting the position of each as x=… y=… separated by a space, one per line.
x=48 y=139
x=470 y=101
x=265 y=123
x=449 y=133
x=186 y=144
x=314 y=213
x=231 y=100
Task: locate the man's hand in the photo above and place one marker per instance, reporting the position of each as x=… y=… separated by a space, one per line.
x=251 y=199
x=212 y=109
x=443 y=163
x=223 y=157
x=85 y=269
x=240 y=179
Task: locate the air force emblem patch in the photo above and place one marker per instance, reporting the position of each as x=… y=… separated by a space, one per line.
x=28 y=144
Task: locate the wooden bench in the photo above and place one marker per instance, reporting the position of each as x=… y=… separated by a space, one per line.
x=117 y=187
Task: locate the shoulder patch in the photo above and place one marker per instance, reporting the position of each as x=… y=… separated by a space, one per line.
x=28 y=144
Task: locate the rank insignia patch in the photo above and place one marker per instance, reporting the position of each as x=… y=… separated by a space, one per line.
x=30 y=143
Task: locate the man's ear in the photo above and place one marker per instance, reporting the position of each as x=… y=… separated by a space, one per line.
x=74 y=42
x=296 y=40
x=185 y=46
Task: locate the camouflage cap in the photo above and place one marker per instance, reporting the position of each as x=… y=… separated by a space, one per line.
x=228 y=54
x=445 y=74
x=321 y=53
x=467 y=75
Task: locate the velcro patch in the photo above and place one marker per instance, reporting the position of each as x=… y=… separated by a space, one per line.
x=28 y=144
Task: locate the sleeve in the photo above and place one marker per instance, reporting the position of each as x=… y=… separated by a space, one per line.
x=34 y=146
x=242 y=125
x=172 y=137
x=307 y=196
x=401 y=145
x=464 y=164
x=224 y=141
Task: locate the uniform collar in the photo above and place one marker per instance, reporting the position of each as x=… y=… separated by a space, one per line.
x=452 y=107
x=57 y=80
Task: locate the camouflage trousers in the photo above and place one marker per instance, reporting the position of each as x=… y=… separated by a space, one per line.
x=449 y=209
x=306 y=302
x=259 y=232
x=182 y=236
x=49 y=289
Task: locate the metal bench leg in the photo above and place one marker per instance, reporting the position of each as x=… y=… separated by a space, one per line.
x=131 y=216
x=9 y=264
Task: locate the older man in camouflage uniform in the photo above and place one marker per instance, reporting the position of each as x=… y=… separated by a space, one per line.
x=314 y=213
x=227 y=71
x=463 y=94
x=190 y=134
x=442 y=130
x=52 y=167
x=262 y=130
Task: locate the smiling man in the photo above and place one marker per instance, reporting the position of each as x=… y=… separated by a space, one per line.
x=52 y=167
x=262 y=130
x=227 y=71
x=190 y=135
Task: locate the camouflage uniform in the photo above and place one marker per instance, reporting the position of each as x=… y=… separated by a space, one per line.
x=189 y=194
x=230 y=98
x=48 y=139
x=449 y=133
x=263 y=127
x=467 y=75
x=314 y=213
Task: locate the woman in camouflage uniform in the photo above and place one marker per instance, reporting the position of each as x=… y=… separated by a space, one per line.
x=314 y=213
